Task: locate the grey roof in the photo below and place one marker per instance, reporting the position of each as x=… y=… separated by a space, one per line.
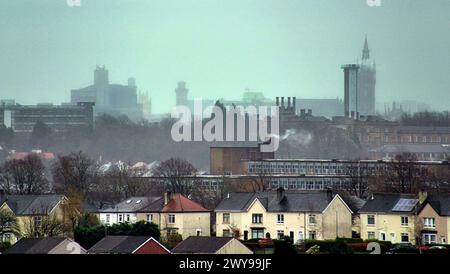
x=118 y=244
x=385 y=202
x=413 y=148
x=35 y=245
x=133 y=204
x=292 y=201
x=201 y=244
x=440 y=203
x=32 y=204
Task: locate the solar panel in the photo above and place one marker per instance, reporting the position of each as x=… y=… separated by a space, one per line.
x=405 y=205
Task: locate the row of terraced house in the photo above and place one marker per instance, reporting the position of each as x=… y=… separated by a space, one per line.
x=399 y=218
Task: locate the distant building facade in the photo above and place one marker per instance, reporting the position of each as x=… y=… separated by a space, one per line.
x=351 y=90
x=112 y=99
x=60 y=118
x=321 y=107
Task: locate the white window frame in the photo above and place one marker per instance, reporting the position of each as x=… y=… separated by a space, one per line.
x=171 y=218
x=401 y=237
x=371 y=217
x=280 y=218
x=402 y=218
x=429 y=222
x=149 y=218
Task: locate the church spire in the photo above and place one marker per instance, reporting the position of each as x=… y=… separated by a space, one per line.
x=366 y=51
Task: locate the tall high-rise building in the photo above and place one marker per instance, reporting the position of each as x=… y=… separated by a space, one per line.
x=181 y=94
x=112 y=99
x=366 y=83
x=351 y=90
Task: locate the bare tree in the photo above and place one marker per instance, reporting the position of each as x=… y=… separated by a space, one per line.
x=177 y=174
x=43 y=223
x=403 y=174
x=75 y=170
x=359 y=179
x=24 y=176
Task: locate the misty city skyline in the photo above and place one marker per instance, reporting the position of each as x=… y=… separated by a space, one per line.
x=280 y=48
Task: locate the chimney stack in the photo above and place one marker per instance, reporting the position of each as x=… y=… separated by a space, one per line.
x=167 y=197
x=329 y=194
x=278 y=101
x=282 y=102
x=422 y=196
x=293 y=102
x=280 y=194
x=289 y=102
x=309 y=112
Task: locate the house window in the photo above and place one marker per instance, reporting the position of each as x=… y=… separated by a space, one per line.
x=280 y=218
x=37 y=221
x=172 y=231
x=429 y=222
x=280 y=234
x=171 y=218
x=370 y=219
x=120 y=218
x=257 y=218
x=404 y=221
x=312 y=219
x=149 y=218
x=404 y=238
x=199 y=232
x=429 y=238
x=258 y=233
x=107 y=218
x=226 y=218
x=382 y=236
x=312 y=235
x=301 y=237
x=128 y=217
x=392 y=236
x=226 y=233
x=370 y=235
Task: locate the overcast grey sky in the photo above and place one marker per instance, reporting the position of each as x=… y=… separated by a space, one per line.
x=279 y=47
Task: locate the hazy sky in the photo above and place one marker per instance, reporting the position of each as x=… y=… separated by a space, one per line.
x=221 y=47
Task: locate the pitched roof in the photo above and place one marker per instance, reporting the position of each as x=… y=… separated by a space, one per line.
x=292 y=201
x=132 y=204
x=120 y=244
x=35 y=245
x=32 y=204
x=179 y=203
x=440 y=203
x=201 y=244
x=387 y=203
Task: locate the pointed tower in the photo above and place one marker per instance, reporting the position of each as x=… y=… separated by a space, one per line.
x=366 y=51
x=366 y=83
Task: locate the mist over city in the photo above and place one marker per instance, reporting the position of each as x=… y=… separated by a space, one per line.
x=224 y=127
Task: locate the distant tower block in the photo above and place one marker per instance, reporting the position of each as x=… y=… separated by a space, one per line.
x=181 y=94
x=101 y=76
x=351 y=90
x=132 y=82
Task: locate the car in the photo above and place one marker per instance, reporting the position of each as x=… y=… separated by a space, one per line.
x=439 y=247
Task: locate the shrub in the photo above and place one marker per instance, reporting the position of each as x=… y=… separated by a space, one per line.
x=341 y=247
x=284 y=246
